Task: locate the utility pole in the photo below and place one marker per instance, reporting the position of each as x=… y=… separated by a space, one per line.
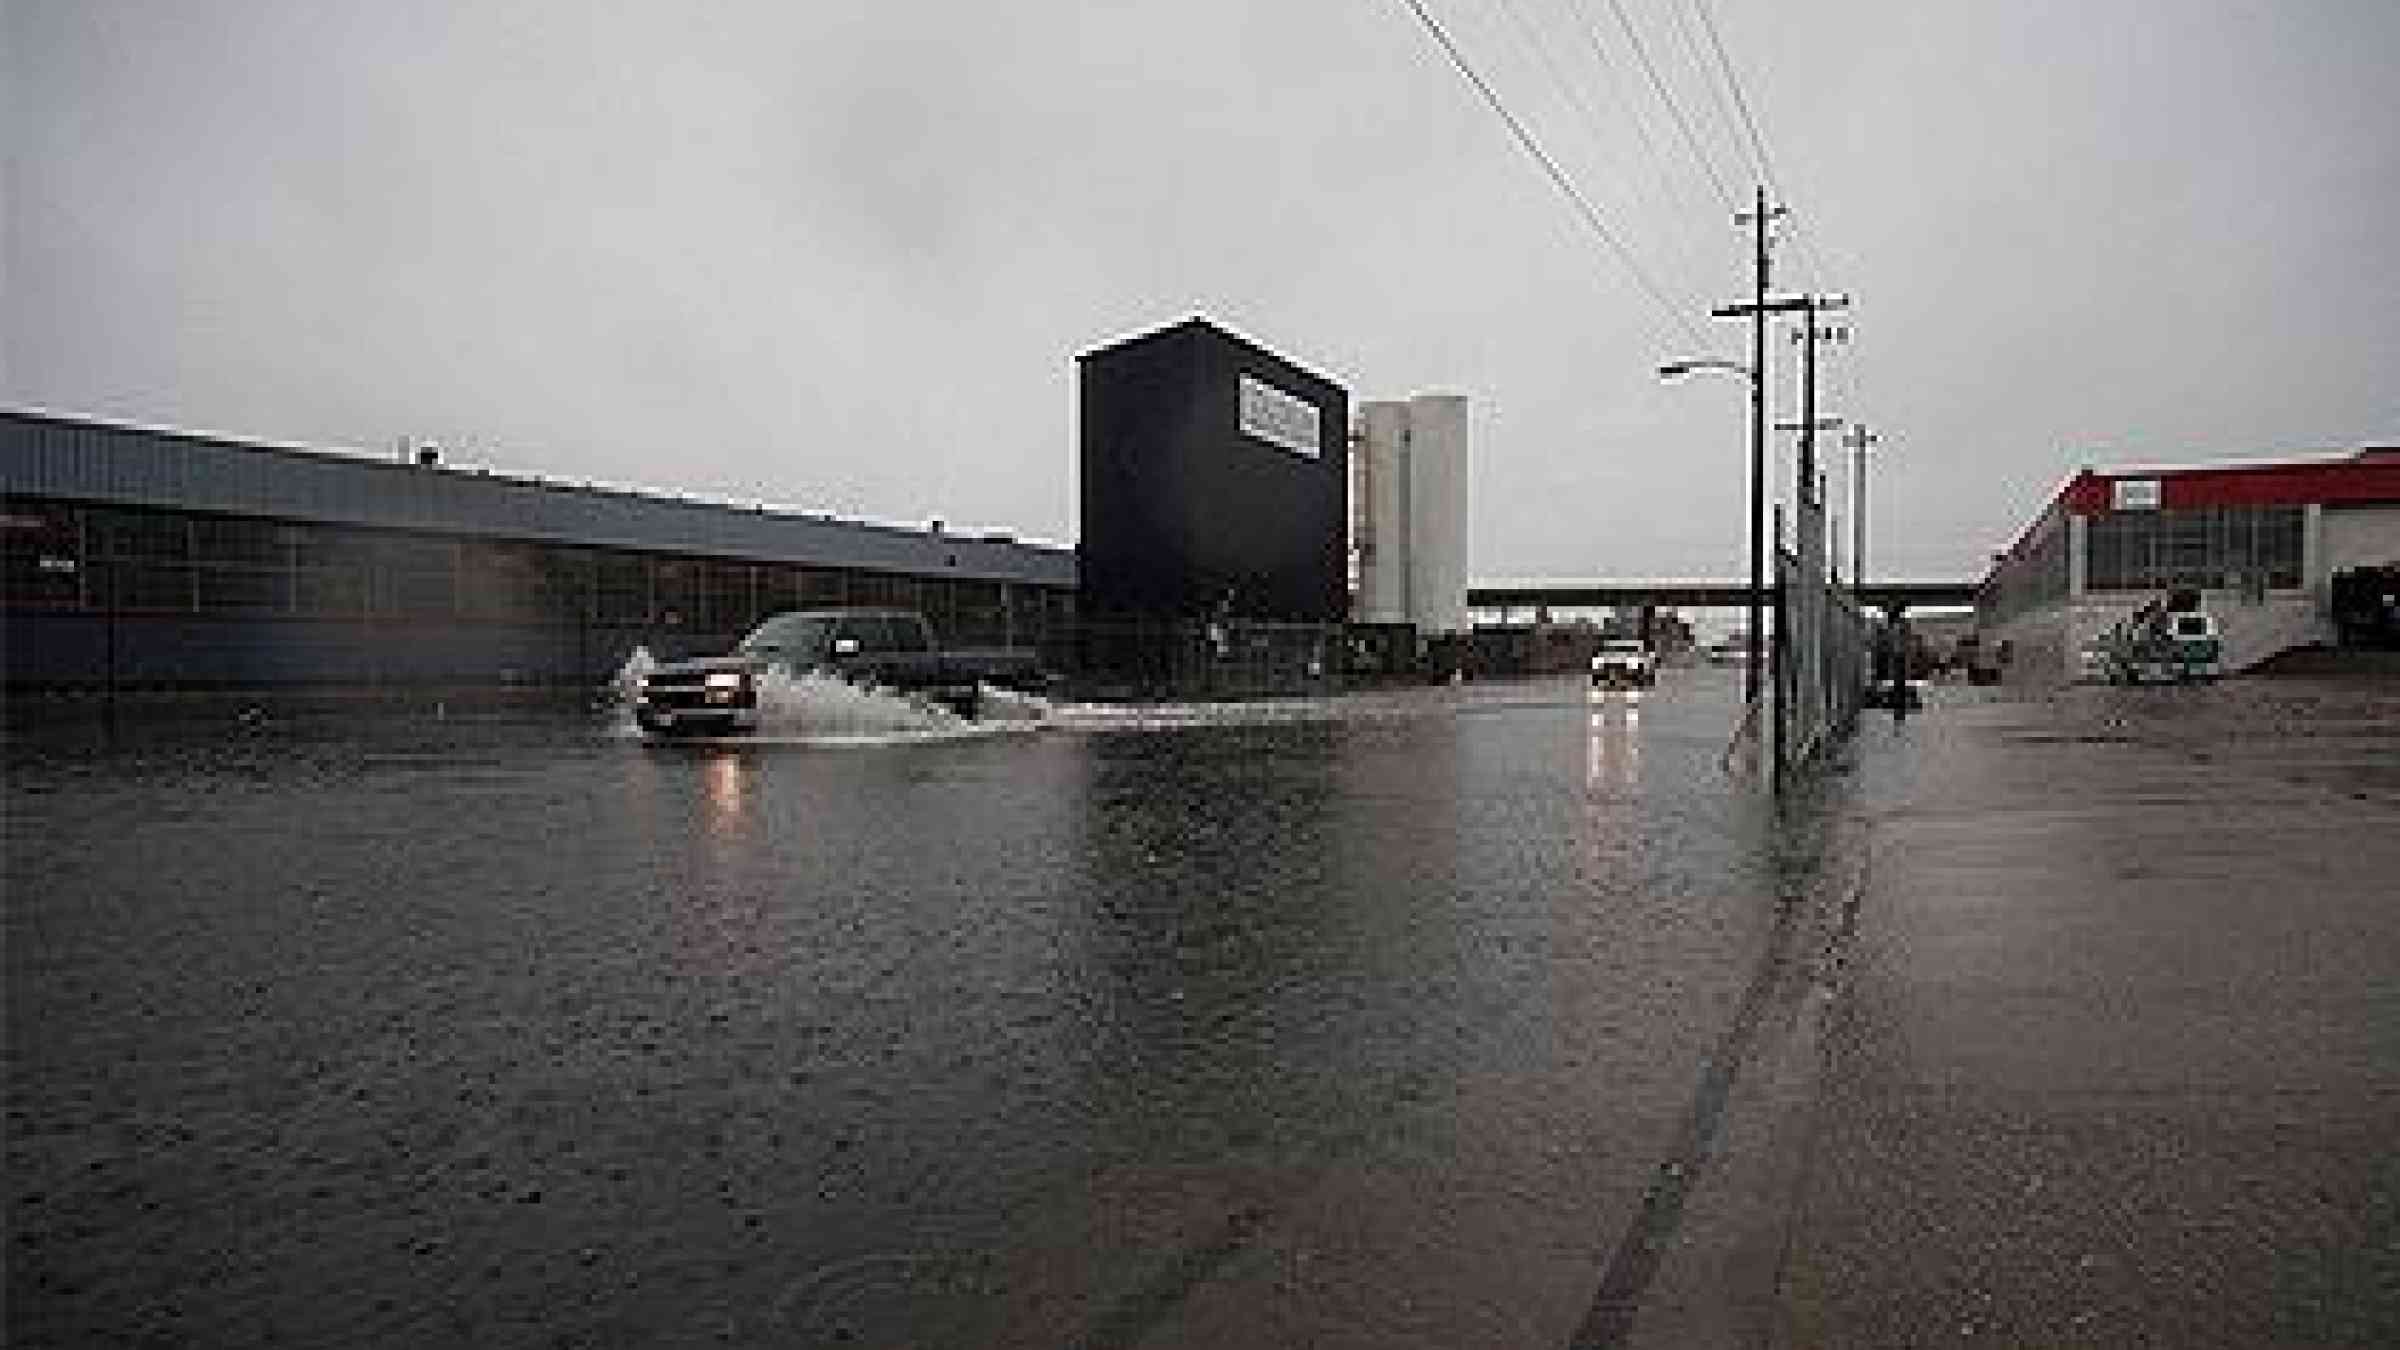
x=1810 y=334
x=1858 y=440
x=1759 y=217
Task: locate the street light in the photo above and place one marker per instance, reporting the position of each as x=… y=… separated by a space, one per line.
x=1675 y=370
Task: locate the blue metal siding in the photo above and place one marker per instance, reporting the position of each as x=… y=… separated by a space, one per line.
x=48 y=456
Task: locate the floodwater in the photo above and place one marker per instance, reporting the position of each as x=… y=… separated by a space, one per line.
x=1356 y=1021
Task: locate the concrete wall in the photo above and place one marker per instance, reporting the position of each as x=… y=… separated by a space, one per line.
x=2283 y=621
x=2356 y=535
x=2045 y=644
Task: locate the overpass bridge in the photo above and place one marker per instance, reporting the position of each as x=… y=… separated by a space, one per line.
x=1885 y=595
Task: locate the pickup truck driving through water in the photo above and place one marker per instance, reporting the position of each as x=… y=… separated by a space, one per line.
x=873 y=648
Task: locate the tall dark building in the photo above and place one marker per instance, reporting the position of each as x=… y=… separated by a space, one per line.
x=1215 y=480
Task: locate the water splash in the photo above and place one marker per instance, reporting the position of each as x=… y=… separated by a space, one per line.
x=820 y=709
x=1011 y=706
x=827 y=708
x=617 y=696
x=627 y=682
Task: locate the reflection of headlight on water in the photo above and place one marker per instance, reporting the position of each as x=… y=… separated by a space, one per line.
x=726 y=782
x=1614 y=748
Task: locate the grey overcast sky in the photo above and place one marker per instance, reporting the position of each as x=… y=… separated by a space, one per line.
x=840 y=255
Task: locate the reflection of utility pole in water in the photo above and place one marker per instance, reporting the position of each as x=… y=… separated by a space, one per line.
x=1777 y=654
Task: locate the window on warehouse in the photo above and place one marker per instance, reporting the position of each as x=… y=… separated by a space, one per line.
x=621 y=587
x=416 y=576
x=727 y=600
x=42 y=565
x=2210 y=548
x=142 y=560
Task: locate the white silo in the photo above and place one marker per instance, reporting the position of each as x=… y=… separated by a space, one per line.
x=1383 y=517
x=1412 y=525
x=1436 y=508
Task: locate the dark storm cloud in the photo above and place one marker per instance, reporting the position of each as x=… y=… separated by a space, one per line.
x=842 y=256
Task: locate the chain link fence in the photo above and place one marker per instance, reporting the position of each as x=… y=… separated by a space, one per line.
x=1158 y=658
x=1821 y=651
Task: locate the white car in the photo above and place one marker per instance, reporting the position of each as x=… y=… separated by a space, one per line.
x=1624 y=661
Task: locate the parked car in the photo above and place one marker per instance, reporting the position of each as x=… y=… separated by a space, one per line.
x=876 y=648
x=1624 y=662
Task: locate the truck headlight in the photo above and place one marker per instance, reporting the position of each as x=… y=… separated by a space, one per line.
x=727 y=680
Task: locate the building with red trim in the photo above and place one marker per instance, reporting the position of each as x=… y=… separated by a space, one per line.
x=2260 y=541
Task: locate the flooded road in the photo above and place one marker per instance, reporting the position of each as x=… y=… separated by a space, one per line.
x=1356 y=1022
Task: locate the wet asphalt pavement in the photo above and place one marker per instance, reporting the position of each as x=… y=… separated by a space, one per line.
x=2111 y=1053
x=1497 y=1016
x=1368 y=1023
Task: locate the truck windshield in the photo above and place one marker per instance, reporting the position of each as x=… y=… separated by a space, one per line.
x=790 y=637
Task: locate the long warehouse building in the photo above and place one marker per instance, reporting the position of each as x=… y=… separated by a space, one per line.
x=139 y=556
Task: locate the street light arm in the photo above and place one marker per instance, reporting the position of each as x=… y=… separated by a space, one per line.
x=1675 y=370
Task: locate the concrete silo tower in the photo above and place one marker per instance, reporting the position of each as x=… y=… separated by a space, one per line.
x=1412 y=543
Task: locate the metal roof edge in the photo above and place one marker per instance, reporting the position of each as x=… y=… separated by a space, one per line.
x=661 y=496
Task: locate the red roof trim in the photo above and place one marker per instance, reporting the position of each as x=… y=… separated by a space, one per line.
x=2369 y=476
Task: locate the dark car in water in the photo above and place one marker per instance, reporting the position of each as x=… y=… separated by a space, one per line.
x=890 y=649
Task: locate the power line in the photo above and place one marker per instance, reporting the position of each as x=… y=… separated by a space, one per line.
x=1766 y=165
x=1558 y=177
x=1682 y=21
x=1800 y=233
x=1681 y=243
x=1758 y=142
x=1625 y=106
x=1691 y=141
